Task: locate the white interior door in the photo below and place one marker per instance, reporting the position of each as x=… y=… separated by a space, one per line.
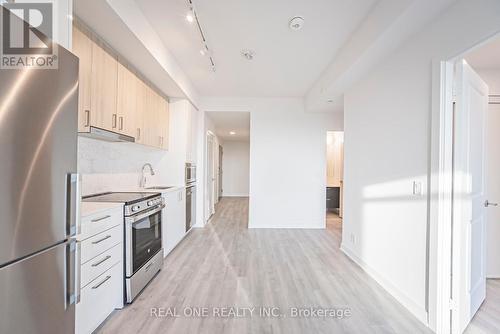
x=209 y=182
x=469 y=224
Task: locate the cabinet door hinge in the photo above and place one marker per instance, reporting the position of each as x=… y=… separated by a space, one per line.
x=452 y=305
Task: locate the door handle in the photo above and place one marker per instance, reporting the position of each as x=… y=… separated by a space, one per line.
x=121 y=123
x=73 y=204
x=72 y=276
x=113 y=122
x=488 y=203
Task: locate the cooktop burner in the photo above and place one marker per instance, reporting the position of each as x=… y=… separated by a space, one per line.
x=120 y=197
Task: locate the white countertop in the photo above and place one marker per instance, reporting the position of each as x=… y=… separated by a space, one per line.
x=90 y=208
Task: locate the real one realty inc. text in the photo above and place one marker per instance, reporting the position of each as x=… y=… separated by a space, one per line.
x=248 y=312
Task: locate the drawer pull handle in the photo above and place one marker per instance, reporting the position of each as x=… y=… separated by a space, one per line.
x=99 y=219
x=101 y=261
x=101 y=240
x=101 y=283
x=148 y=266
x=87 y=118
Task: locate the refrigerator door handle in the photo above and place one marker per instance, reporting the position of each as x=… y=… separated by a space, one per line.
x=72 y=273
x=78 y=272
x=73 y=204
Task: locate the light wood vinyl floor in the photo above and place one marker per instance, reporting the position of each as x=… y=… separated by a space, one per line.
x=487 y=319
x=226 y=264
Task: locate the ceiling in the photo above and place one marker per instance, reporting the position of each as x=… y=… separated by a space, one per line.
x=227 y=121
x=286 y=62
x=486 y=56
x=102 y=19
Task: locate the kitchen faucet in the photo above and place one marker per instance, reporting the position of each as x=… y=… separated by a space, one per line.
x=142 y=184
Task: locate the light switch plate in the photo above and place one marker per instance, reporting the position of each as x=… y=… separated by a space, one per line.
x=417 y=188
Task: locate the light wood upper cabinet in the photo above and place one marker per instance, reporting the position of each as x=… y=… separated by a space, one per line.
x=152 y=119
x=113 y=98
x=127 y=101
x=164 y=123
x=141 y=107
x=82 y=48
x=104 y=89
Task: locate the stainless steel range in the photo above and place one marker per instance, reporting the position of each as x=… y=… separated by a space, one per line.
x=143 y=244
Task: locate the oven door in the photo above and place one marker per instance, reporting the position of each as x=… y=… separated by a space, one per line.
x=142 y=238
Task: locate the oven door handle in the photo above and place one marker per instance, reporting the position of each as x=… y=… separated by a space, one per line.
x=142 y=215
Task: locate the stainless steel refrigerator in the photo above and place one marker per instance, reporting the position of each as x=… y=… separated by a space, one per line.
x=38 y=198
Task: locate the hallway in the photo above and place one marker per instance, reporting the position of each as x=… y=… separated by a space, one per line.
x=227 y=265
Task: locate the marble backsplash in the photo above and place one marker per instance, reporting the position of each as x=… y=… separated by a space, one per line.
x=107 y=166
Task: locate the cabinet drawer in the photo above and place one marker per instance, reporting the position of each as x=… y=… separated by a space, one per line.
x=98 y=299
x=100 y=222
x=101 y=242
x=99 y=264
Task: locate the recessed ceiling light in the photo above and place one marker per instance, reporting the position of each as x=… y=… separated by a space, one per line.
x=248 y=54
x=232 y=133
x=190 y=17
x=296 y=23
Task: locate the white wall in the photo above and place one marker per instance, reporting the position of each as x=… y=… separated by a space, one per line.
x=235 y=168
x=492 y=78
x=387 y=147
x=287 y=160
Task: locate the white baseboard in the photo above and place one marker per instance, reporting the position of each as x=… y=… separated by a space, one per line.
x=234 y=195
x=418 y=311
x=313 y=224
x=493 y=276
x=287 y=227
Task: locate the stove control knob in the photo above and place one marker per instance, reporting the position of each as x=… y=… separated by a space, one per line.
x=135 y=208
x=150 y=203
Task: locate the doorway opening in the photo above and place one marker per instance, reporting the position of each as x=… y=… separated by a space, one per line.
x=334 y=179
x=228 y=158
x=468 y=246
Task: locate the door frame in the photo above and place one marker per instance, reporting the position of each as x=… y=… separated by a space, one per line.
x=220 y=172
x=209 y=184
x=442 y=269
x=441 y=198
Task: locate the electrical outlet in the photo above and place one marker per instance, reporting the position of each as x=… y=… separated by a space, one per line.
x=353 y=238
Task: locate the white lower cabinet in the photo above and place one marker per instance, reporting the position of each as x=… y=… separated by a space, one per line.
x=98 y=299
x=99 y=243
x=173 y=219
x=98 y=265
x=101 y=268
